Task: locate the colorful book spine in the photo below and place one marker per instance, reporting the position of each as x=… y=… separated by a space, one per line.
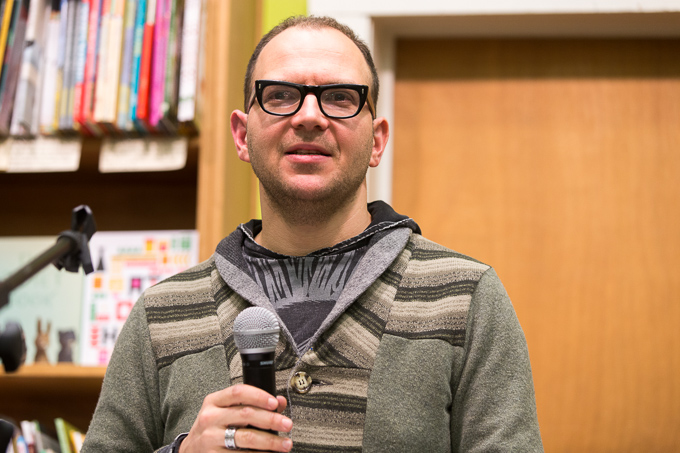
x=123 y=112
x=64 y=435
x=82 y=24
x=8 y=49
x=61 y=59
x=142 y=114
x=67 y=87
x=105 y=111
x=27 y=87
x=189 y=64
x=44 y=28
x=140 y=21
x=159 y=59
x=4 y=31
x=86 y=115
x=49 y=85
x=168 y=121
x=102 y=83
x=14 y=65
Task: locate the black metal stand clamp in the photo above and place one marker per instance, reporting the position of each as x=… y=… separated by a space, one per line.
x=70 y=252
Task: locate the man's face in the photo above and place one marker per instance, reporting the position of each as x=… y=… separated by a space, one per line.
x=308 y=156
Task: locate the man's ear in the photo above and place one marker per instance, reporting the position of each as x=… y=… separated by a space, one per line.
x=239 y=121
x=381 y=133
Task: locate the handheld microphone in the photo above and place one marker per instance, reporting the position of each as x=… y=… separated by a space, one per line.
x=256 y=333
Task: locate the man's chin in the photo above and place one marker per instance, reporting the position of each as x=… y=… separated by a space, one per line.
x=309 y=188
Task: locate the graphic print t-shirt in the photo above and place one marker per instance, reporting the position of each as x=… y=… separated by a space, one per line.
x=302 y=289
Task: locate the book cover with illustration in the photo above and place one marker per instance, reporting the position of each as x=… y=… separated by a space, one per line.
x=125 y=264
x=51 y=297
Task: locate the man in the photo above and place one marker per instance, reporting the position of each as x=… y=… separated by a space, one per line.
x=389 y=341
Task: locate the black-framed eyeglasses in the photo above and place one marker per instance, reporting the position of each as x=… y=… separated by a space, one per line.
x=340 y=101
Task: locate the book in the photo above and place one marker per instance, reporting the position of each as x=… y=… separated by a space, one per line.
x=123 y=110
x=140 y=21
x=80 y=57
x=102 y=61
x=64 y=435
x=109 y=68
x=50 y=295
x=7 y=46
x=44 y=443
x=189 y=76
x=13 y=56
x=64 y=10
x=4 y=30
x=68 y=66
x=168 y=107
x=24 y=116
x=77 y=439
x=142 y=111
x=44 y=36
x=125 y=264
x=48 y=89
x=86 y=114
x=28 y=432
x=159 y=58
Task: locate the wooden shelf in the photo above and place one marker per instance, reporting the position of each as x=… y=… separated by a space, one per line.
x=44 y=392
x=41 y=203
x=53 y=372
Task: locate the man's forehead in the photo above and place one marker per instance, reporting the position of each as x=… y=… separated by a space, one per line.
x=303 y=50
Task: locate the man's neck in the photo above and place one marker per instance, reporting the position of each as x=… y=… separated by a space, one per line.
x=301 y=235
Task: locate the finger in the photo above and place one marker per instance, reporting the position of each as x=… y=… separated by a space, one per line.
x=258 y=418
x=253 y=439
x=246 y=395
x=283 y=402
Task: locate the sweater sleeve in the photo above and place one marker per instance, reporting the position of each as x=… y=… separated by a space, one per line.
x=127 y=417
x=494 y=406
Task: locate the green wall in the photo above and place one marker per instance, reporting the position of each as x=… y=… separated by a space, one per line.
x=274 y=11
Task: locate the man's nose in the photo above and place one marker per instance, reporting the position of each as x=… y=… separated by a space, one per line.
x=310 y=114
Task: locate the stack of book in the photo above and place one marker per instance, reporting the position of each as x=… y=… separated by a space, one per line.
x=31 y=437
x=100 y=67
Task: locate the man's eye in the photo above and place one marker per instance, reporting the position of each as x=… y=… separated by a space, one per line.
x=281 y=95
x=340 y=97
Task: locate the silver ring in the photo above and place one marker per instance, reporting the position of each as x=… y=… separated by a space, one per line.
x=229 y=440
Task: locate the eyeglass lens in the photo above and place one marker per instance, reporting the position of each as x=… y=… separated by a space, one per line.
x=335 y=102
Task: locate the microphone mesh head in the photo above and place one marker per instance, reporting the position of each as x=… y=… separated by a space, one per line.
x=256 y=330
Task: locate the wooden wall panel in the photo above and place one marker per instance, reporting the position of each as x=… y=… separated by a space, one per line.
x=558 y=162
x=224 y=182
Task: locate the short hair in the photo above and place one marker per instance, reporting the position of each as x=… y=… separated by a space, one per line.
x=313 y=22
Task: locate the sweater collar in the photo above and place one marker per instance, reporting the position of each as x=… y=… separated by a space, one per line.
x=383 y=217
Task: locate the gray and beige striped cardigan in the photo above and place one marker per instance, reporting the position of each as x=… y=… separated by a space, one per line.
x=424 y=354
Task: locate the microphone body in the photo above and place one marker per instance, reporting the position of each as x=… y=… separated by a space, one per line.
x=259 y=371
x=256 y=333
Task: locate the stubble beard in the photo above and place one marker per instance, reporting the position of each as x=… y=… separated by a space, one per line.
x=299 y=207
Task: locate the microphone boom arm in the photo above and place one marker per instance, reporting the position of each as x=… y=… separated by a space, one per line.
x=70 y=252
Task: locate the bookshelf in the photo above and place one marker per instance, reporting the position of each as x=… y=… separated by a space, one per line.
x=44 y=392
x=212 y=194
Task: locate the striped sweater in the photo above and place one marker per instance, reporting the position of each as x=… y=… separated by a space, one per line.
x=423 y=353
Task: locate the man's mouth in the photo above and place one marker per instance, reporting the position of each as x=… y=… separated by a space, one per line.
x=307 y=152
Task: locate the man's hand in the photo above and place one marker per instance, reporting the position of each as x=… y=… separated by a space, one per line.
x=239 y=406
